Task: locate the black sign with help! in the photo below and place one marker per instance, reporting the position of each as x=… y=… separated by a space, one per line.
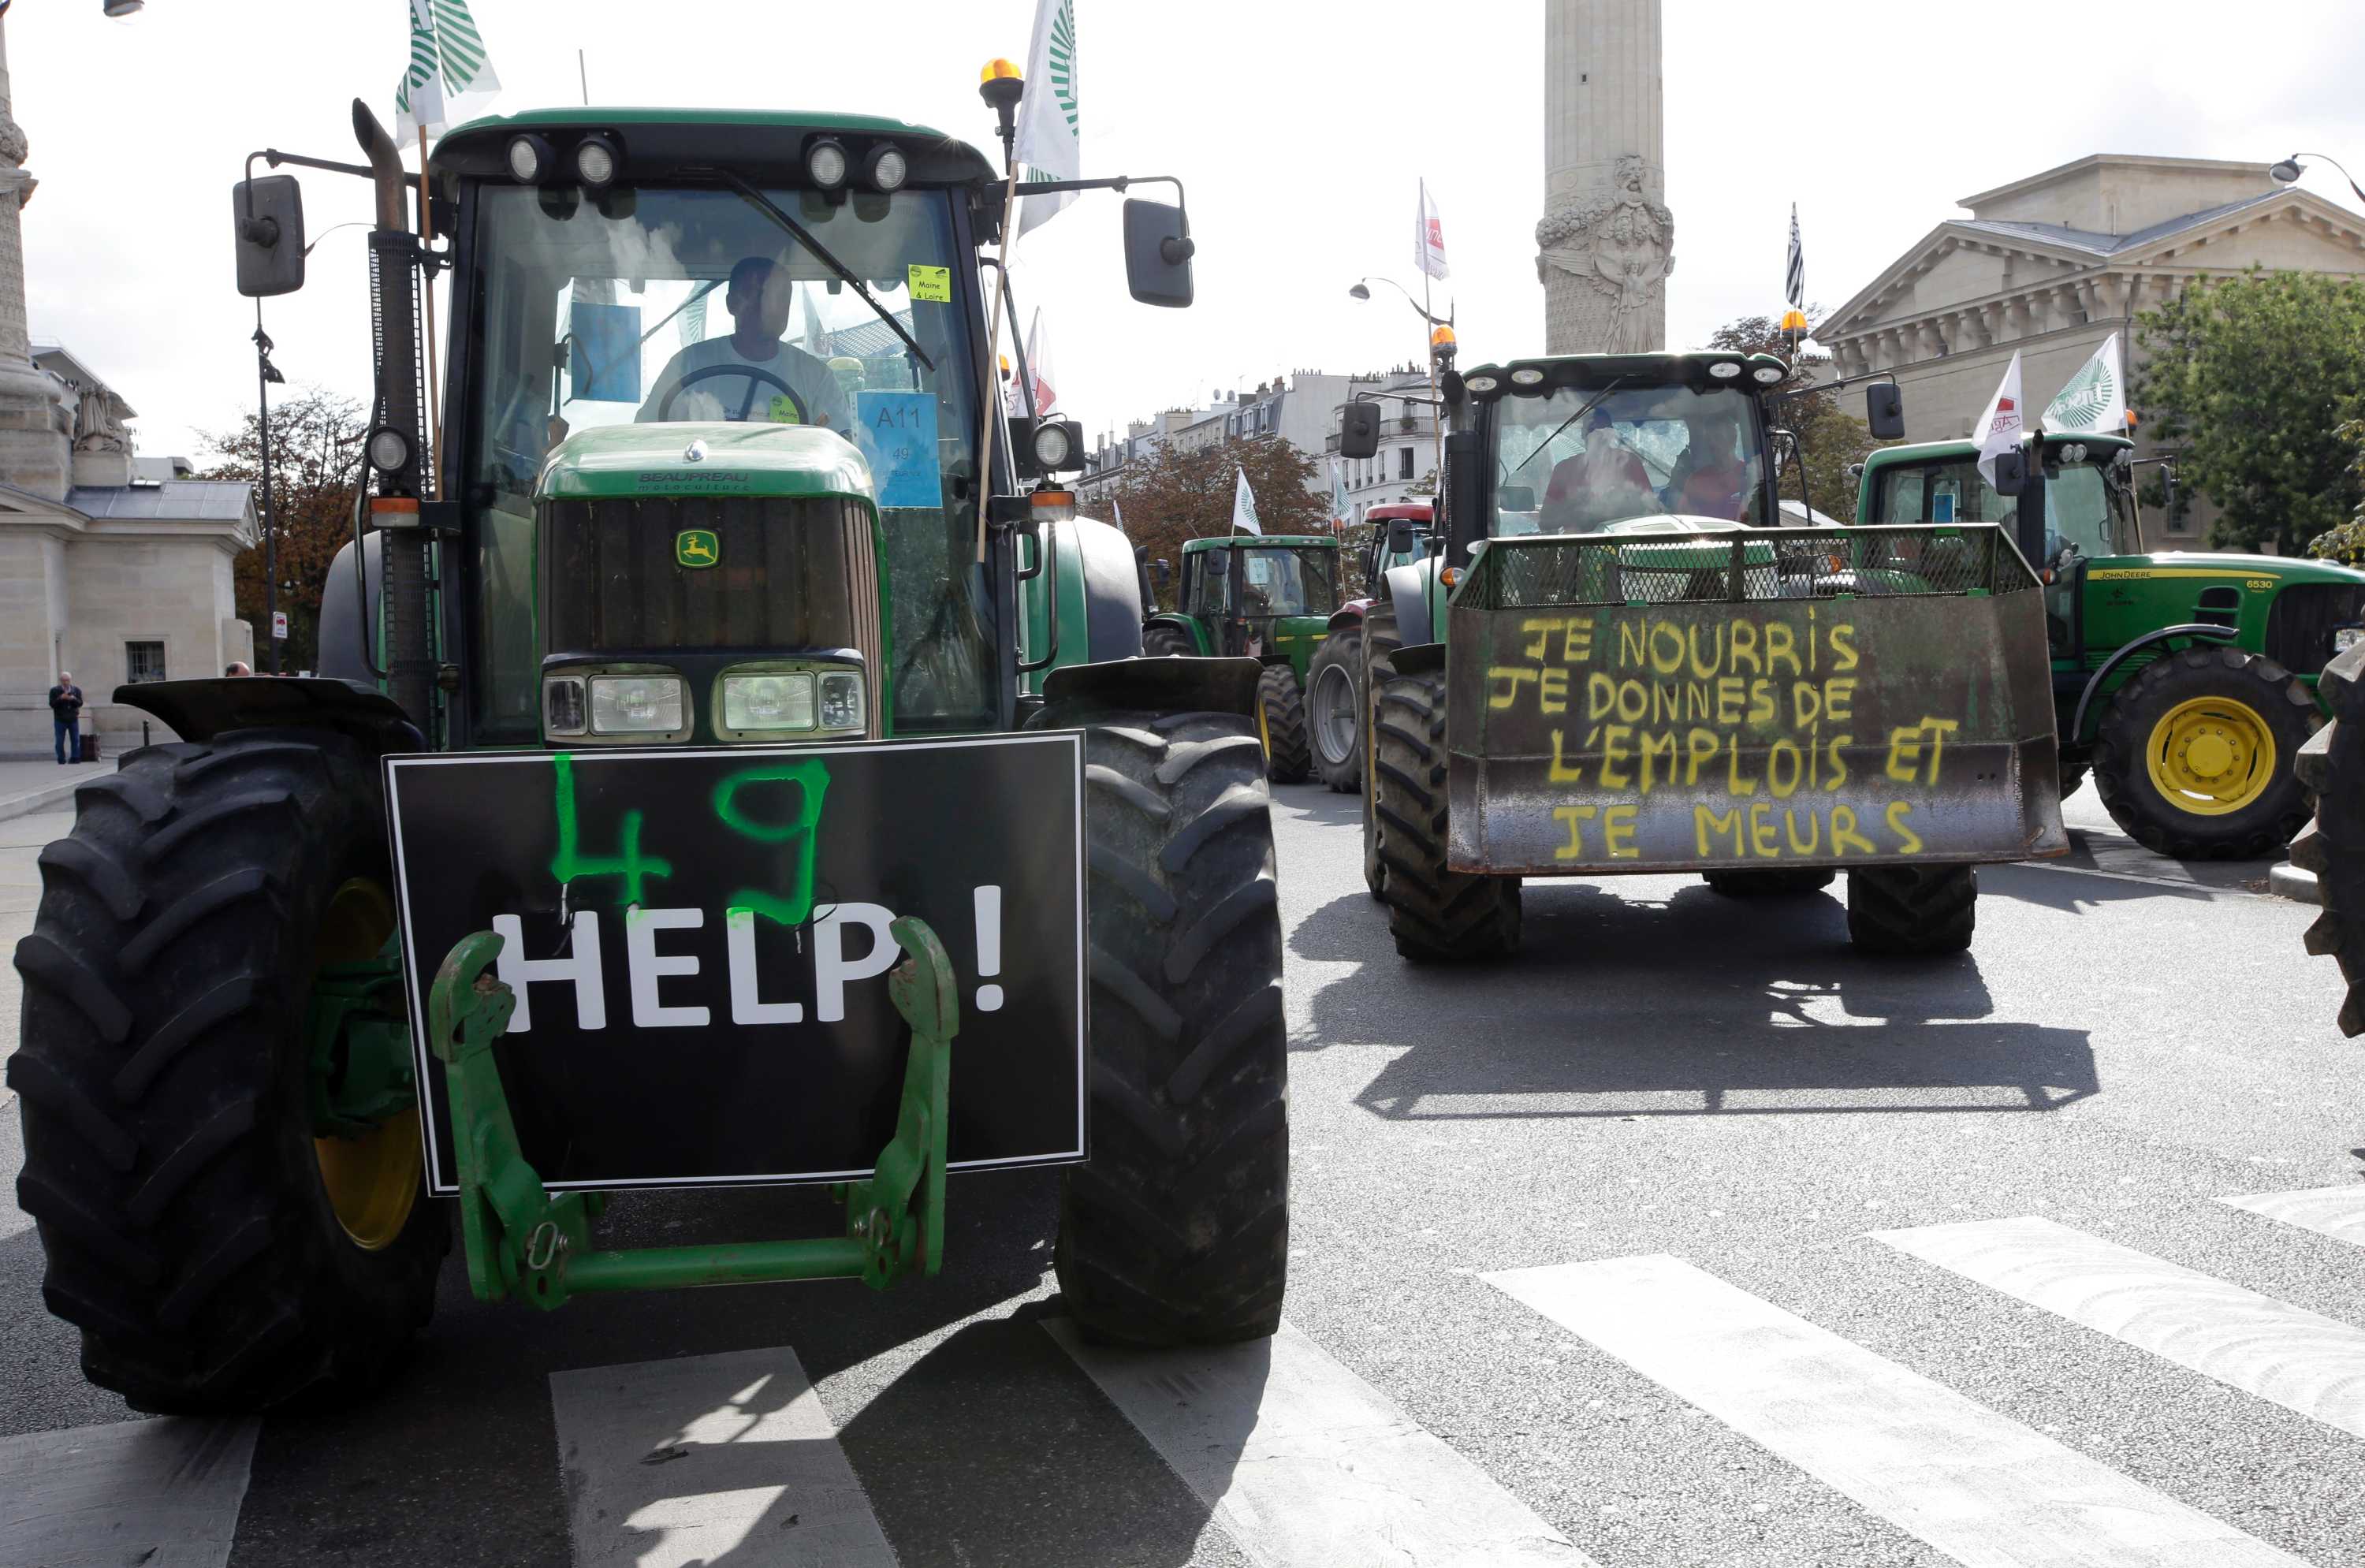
x=698 y=943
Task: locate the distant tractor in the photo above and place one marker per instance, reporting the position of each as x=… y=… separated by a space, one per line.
x=1402 y=532
x=673 y=794
x=1616 y=665
x=1267 y=596
x=2186 y=682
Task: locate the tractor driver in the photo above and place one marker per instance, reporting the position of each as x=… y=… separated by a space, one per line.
x=1711 y=479
x=759 y=298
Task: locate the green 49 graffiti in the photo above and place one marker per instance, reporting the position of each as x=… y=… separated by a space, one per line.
x=790 y=904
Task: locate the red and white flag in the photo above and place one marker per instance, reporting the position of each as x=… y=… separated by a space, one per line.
x=1999 y=429
x=1038 y=365
x=1428 y=239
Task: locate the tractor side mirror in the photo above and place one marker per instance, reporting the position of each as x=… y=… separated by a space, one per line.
x=1884 y=411
x=1358 y=429
x=1158 y=252
x=2010 y=472
x=269 y=214
x=1515 y=498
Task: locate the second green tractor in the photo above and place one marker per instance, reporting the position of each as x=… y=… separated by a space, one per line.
x=1267 y=596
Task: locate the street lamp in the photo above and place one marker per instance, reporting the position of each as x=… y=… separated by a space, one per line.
x=2288 y=171
x=1360 y=290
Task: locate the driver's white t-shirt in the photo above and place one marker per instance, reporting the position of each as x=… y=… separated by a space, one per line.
x=722 y=396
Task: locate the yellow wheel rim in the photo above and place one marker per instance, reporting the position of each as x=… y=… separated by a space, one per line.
x=372 y=1180
x=2211 y=755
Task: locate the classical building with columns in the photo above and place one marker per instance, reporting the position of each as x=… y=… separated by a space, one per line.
x=116 y=570
x=2051 y=265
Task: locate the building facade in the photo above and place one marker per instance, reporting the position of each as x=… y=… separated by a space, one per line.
x=1405 y=466
x=2050 y=265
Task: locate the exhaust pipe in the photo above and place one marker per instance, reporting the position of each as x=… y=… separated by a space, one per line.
x=395 y=264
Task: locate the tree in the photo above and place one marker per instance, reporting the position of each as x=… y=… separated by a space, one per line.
x=316 y=447
x=1829 y=438
x=1181 y=496
x=2251 y=378
x=2345 y=542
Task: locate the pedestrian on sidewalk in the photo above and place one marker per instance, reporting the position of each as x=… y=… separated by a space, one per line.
x=65 y=717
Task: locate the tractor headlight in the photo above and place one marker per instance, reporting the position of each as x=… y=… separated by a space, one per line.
x=841 y=700
x=595 y=162
x=768 y=701
x=635 y=704
x=388 y=449
x=825 y=162
x=562 y=705
x=884 y=167
x=2345 y=638
x=1054 y=445
x=530 y=159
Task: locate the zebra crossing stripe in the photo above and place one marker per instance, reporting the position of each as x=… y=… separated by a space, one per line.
x=1984 y=1489
x=669 y=1464
x=2299 y=1359
x=159 y=1494
x=1303 y=1462
x=2337 y=1212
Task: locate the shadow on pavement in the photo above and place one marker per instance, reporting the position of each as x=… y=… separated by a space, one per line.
x=1621 y=1005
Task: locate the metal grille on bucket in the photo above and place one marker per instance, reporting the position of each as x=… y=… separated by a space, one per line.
x=1883 y=562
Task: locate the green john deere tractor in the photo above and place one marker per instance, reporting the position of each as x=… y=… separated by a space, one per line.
x=1266 y=597
x=429 y=927
x=1613 y=666
x=2185 y=682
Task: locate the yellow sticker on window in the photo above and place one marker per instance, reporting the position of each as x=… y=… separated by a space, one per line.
x=932 y=284
x=783 y=411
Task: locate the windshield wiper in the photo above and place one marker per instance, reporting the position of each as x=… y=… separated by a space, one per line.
x=1547 y=440
x=766 y=206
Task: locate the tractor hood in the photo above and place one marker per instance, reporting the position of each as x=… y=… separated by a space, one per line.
x=704 y=459
x=2285 y=569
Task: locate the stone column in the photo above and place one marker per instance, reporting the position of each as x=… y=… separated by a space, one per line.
x=36 y=427
x=1606 y=241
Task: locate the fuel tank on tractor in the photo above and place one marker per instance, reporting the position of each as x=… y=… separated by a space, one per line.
x=1686 y=696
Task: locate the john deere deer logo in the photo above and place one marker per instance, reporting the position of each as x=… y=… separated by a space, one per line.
x=696 y=547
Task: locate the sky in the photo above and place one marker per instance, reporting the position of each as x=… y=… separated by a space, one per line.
x=1299 y=129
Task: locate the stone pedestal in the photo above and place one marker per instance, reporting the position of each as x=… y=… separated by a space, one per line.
x=1606 y=241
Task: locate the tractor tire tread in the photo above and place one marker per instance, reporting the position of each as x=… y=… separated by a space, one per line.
x=1176 y=1230
x=1912 y=911
x=2122 y=776
x=1436 y=915
x=2332 y=845
x=162 y=1020
x=1343 y=650
x=1290 y=758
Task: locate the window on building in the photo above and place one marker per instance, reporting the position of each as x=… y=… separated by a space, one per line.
x=143 y=661
x=1404 y=462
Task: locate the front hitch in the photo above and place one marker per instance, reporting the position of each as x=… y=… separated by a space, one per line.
x=524 y=1241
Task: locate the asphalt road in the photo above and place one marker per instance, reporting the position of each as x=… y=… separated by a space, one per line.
x=1662 y=1074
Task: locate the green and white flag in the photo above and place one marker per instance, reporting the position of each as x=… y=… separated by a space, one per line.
x=1050 y=144
x=2095 y=401
x=450 y=77
x=1244 y=517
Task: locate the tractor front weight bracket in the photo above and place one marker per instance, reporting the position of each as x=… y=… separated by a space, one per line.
x=524 y=1241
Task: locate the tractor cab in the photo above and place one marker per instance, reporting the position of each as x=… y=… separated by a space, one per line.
x=1255 y=596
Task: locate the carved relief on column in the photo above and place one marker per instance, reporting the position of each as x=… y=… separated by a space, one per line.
x=1604 y=262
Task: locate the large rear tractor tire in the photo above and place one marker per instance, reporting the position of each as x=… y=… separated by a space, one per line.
x=1164 y=640
x=2197 y=755
x=1176 y=1231
x=2332 y=845
x=1436 y=915
x=1912 y=911
x=1288 y=756
x=1785 y=882
x=1334 y=708
x=1381 y=640
x=217 y=1259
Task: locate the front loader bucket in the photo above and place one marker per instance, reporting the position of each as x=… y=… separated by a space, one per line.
x=1726 y=700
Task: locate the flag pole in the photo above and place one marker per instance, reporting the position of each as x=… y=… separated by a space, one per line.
x=427 y=234
x=988 y=405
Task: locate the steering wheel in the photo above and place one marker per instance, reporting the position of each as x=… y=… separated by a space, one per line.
x=754 y=373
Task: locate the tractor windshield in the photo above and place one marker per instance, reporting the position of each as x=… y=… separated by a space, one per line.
x=1288 y=582
x=691 y=304
x=2084 y=506
x=1580 y=459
